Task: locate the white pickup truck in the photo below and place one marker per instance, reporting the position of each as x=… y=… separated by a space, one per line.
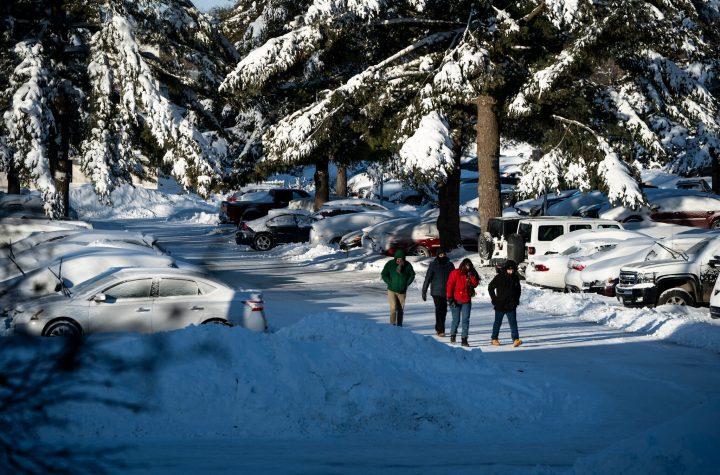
x=685 y=278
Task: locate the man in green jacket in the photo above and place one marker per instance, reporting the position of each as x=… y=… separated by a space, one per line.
x=398 y=274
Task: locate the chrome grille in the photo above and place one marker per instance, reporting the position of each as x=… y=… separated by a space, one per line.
x=627 y=278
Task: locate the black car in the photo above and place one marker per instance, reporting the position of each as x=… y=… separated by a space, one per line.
x=234 y=210
x=277 y=228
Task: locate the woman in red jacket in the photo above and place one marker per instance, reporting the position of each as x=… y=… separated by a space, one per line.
x=460 y=289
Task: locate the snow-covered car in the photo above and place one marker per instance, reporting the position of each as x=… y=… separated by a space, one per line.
x=419 y=237
x=363 y=186
x=534 y=207
x=549 y=270
x=80 y=235
x=539 y=232
x=331 y=230
x=715 y=297
x=74 y=269
x=682 y=207
x=696 y=184
x=599 y=272
x=38 y=256
x=140 y=300
x=685 y=279
x=16 y=229
x=278 y=227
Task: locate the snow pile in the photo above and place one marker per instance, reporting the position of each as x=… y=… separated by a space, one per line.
x=130 y=202
x=685 y=325
x=328 y=374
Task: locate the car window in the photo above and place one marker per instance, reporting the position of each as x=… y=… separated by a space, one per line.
x=608 y=226
x=304 y=221
x=178 y=288
x=571 y=250
x=133 y=289
x=548 y=232
x=205 y=288
x=575 y=227
x=525 y=230
x=282 y=220
x=297 y=196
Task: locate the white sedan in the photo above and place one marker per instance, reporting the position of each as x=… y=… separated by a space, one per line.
x=140 y=300
x=330 y=230
x=549 y=270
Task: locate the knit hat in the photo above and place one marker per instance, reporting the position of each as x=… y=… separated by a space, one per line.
x=399 y=254
x=510 y=264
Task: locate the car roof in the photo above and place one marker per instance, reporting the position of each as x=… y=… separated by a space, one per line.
x=126 y=272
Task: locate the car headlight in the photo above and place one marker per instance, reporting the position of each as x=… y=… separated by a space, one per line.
x=648 y=277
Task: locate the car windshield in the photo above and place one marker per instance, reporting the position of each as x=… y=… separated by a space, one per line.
x=697 y=247
x=571 y=250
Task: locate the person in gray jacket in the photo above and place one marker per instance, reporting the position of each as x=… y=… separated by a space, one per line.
x=436 y=278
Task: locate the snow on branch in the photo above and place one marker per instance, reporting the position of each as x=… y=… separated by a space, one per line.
x=622 y=187
x=275 y=56
x=117 y=67
x=544 y=79
x=29 y=122
x=294 y=137
x=429 y=152
x=456 y=80
x=543 y=176
x=624 y=110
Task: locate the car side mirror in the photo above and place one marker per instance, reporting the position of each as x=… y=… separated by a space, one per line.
x=99 y=298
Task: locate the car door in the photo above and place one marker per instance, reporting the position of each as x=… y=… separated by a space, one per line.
x=178 y=303
x=283 y=227
x=709 y=268
x=127 y=306
x=304 y=225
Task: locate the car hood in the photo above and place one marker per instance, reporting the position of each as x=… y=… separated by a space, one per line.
x=31 y=306
x=652 y=265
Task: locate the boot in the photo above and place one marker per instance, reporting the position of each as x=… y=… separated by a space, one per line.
x=495 y=342
x=440 y=334
x=517 y=343
x=452 y=338
x=465 y=342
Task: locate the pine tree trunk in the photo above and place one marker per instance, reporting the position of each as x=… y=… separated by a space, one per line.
x=448 y=222
x=488 y=156
x=322 y=183
x=715 y=157
x=341 y=181
x=13 y=180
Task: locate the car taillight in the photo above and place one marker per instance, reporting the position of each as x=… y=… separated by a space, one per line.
x=255 y=305
x=578 y=267
x=531 y=250
x=231 y=199
x=541 y=268
x=244 y=227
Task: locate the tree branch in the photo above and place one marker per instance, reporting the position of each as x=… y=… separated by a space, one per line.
x=536 y=11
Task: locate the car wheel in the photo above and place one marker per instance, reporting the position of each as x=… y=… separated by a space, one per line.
x=64 y=328
x=421 y=251
x=485 y=246
x=715 y=224
x=217 y=321
x=676 y=296
x=263 y=242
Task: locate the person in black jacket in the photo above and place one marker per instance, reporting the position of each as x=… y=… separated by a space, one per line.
x=436 y=278
x=504 y=292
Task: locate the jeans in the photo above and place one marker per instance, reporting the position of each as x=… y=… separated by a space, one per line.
x=440 y=313
x=397 y=304
x=458 y=311
x=512 y=320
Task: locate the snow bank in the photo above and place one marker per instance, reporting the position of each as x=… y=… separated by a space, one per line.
x=685 y=325
x=328 y=374
x=130 y=202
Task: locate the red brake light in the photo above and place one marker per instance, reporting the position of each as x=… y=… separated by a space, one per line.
x=578 y=267
x=255 y=305
x=244 y=227
x=541 y=268
x=531 y=250
x=232 y=198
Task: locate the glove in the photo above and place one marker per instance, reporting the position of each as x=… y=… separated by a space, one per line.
x=451 y=303
x=424 y=296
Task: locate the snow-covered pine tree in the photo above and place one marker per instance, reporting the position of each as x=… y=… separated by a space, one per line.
x=134 y=83
x=598 y=86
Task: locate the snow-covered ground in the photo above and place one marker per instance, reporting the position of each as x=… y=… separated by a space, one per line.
x=333 y=388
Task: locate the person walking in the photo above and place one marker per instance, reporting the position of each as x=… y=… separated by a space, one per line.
x=460 y=290
x=398 y=274
x=504 y=292
x=436 y=278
